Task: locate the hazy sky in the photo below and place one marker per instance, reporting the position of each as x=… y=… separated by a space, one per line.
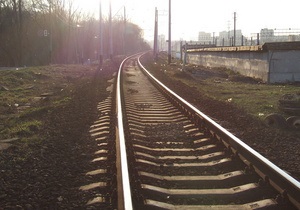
x=191 y=16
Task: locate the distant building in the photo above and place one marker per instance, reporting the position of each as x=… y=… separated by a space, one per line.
x=226 y=38
x=162 y=44
x=265 y=32
x=205 y=38
x=266 y=35
x=279 y=35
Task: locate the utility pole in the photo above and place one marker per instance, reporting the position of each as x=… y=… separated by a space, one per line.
x=110 y=33
x=169 y=43
x=242 y=40
x=229 y=34
x=185 y=55
x=181 y=50
x=234 y=30
x=20 y=33
x=155 y=35
x=124 y=32
x=51 y=31
x=100 y=37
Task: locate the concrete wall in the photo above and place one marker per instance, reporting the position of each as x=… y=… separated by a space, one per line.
x=284 y=66
x=273 y=65
x=252 y=64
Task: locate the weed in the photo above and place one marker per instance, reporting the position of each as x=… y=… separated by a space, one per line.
x=62 y=101
x=23 y=129
x=34 y=112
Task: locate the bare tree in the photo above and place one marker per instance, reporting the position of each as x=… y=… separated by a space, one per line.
x=31 y=30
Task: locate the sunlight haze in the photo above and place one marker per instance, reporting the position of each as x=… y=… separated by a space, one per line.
x=192 y=16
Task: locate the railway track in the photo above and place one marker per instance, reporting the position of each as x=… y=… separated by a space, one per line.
x=172 y=156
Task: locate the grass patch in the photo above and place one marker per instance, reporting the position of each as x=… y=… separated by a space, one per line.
x=257 y=99
x=62 y=101
x=34 y=112
x=32 y=140
x=27 y=95
x=23 y=129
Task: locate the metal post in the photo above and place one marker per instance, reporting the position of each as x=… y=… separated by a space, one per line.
x=242 y=40
x=100 y=37
x=110 y=33
x=257 y=38
x=169 y=43
x=181 y=50
x=155 y=35
x=185 y=54
x=81 y=41
x=51 y=31
x=234 y=30
x=124 y=33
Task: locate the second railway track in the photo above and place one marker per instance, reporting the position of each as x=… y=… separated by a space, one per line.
x=178 y=158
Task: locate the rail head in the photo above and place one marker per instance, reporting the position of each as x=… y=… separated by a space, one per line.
x=125 y=185
x=288 y=187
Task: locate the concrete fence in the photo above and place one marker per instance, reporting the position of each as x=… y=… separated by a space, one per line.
x=271 y=62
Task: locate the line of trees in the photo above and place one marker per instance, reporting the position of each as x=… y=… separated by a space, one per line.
x=39 y=32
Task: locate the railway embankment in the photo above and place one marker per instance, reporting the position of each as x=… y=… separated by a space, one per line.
x=238 y=103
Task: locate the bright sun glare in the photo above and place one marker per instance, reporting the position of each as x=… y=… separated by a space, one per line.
x=189 y=17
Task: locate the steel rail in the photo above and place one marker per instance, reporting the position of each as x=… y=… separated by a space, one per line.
x=286 y=185
x=126 y=200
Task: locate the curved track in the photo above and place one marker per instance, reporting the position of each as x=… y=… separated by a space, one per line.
x=178 y=158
